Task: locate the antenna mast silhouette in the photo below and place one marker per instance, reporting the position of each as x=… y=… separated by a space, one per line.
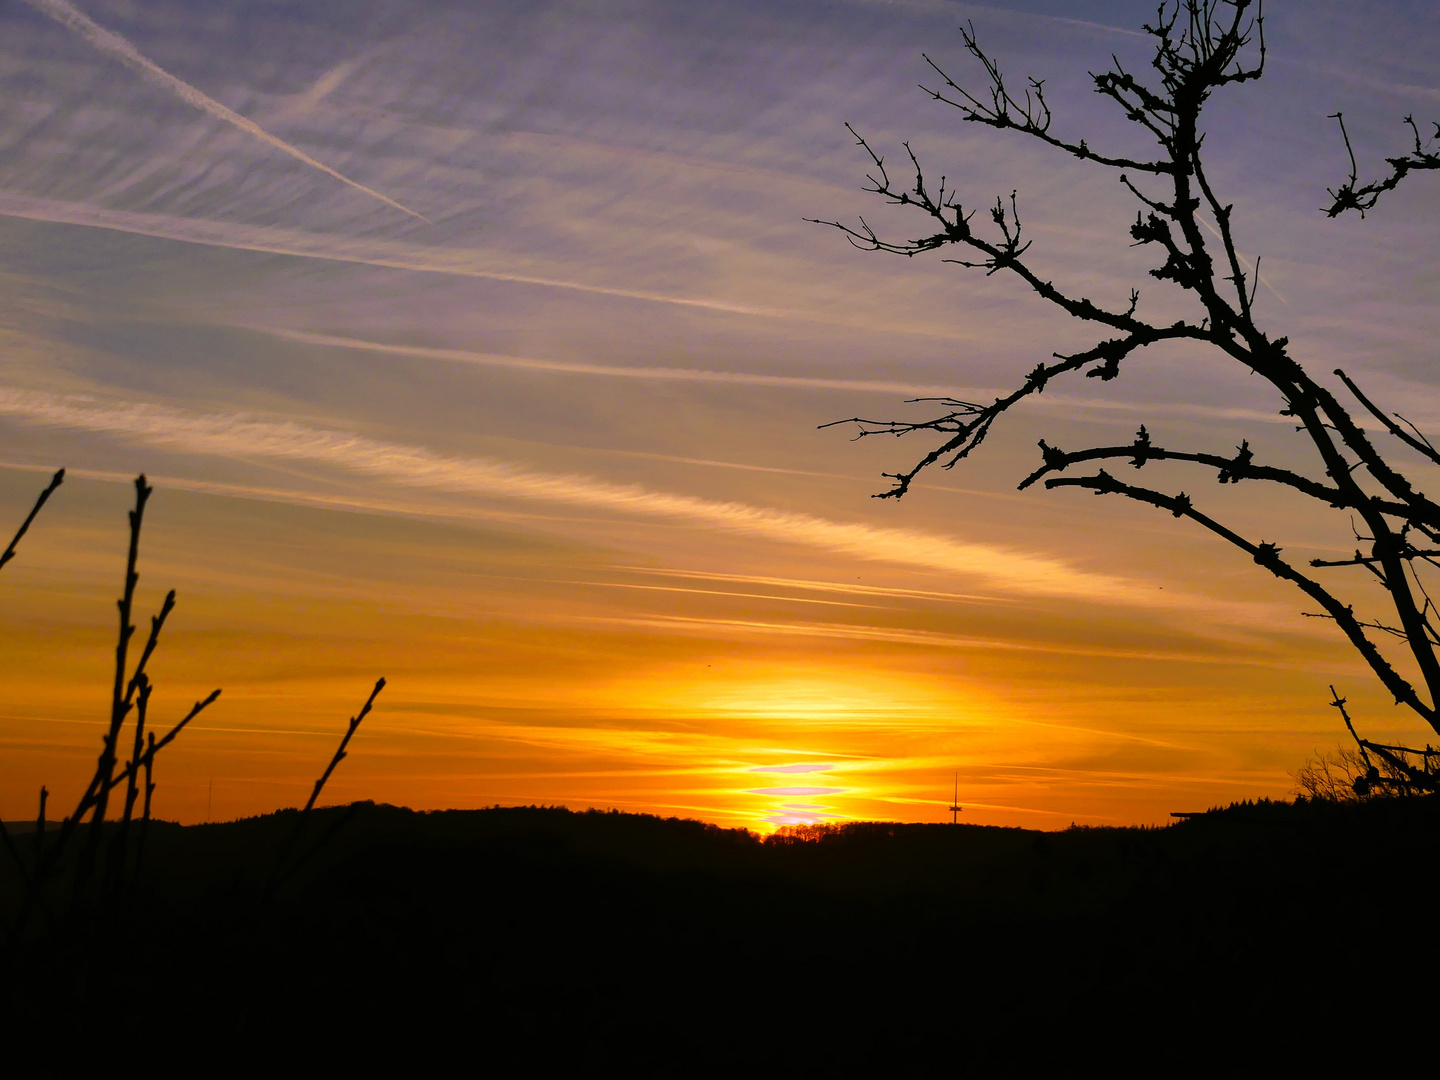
x=955 y=806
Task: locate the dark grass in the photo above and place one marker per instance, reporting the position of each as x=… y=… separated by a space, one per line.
x=537 y=936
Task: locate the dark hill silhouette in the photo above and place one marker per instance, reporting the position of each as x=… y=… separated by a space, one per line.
x=537 y=936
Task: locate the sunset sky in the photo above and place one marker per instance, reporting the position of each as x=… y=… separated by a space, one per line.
x=483 y=346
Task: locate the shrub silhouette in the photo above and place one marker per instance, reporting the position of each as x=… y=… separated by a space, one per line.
x=80 y=877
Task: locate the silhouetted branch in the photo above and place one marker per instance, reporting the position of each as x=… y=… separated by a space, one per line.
x=1230 y=470
x=1352 y=195
x=40 y=823
x=340 y=754
x=281 y=870
x=98 y=793
x=148 y=761
x=1032 y=117
x=169 y=737
x=1412 y=438
x=968 y=422
x=1348 y=775
x=319 y=845
x=1200 y=46
x=119 y=850
x=55 y=482
x=1402 y=772
x=99 y=787
x=131 y=690
x=1002 y=253
x=1266 y=555
x=1361 y=560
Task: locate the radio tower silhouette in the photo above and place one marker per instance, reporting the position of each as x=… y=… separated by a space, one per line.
x=955 y=806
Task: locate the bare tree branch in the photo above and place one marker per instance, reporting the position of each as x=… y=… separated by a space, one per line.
x=282 y=871
x=1412 y=438
x=1266 y=555
x=1352 y=195
x=1200 y=47
x=55 y=482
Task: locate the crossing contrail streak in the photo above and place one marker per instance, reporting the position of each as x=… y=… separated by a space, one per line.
x=111 y=43
x=390 y=254
x=464 y=356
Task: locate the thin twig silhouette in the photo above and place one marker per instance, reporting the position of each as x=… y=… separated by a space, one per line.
x=9 y=553
x=91 y=926
x=281 y=871
x=55 y=482
x=131 y=692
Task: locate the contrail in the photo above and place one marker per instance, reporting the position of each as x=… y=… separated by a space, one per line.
x=1253 y=269
x=747 y=378
x=242 y=436
x=575 y=367
x=390 y=254
x=459 y=262
x=107 y=41
x=932 y=638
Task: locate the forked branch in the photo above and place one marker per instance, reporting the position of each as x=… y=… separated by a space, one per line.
x=1353 y=195
x=1267 y=555
x=130 y=693
x=998 y=108
x=1200 y=47
x=1401 y=772
x=1412 y=438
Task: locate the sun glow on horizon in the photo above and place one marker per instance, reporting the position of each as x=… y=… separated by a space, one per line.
x=806 y=694
x=781 y=739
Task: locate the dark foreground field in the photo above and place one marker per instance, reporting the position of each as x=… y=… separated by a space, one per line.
x=531 y=936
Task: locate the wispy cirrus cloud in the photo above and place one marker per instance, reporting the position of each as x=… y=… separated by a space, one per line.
x=1064 y=403
x=739 y=378
x=390 y=254
x=113 y=44
x=1058 y=402
x=823 y=586
x=932 y=639
x=242 y=436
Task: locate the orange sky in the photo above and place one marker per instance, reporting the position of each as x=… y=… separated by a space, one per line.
x=547 y=458
x=541 y=670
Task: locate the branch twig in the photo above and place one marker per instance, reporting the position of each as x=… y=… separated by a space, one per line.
x=55 y=482
x=281 y=871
